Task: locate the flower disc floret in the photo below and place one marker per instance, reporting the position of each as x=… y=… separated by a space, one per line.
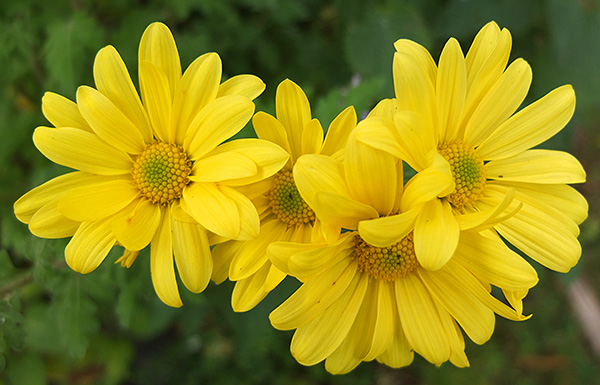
x=286 y=202
x=467 y=170
x=161 y=172
x=386 y=263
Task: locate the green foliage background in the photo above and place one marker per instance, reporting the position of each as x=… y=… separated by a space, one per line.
x=108 y=327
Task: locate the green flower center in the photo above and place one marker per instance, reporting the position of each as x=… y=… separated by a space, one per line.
x=161 y=172
x=467 y=170
x=286 y=202
x=386 y=263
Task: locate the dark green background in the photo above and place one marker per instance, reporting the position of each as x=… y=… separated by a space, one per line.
x=108 y=327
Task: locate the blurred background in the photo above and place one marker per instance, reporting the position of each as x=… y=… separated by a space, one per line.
x=108 y=327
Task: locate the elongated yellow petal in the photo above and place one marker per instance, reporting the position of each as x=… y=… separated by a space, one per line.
x=386 y=231
x=162 y=268
x=484 y=219
x=341 y=211
x=249 y=219
x=451 y=90
x=274 y=278
x=385 y=321
x=417 y=139
x=420 y=55
x=245 y=85
x=158 y=47
x=62 y=112
x=537 y=166
x=420 y=320
x=248 y=292
x=222 y=254
x=223 y=166
x=108 y=122
x=96 y=201
x=157 y=97
x=212 y=209
x=252 y=255
x=399 y=353
x=314 y=297
x=81 y=150
x=314 y=173
x=218 y=121
x=500 y=102
x=492 y=261
x=269 y=128
x=113 y=81
x=192 y=255
x=198 y=87
x=304 y=262
x=48 y=222
x=380 y=132
x=136 y=228
x=319 y=338
x=436 y=234
x=89 y=246
x=338 y=131
x=370 y=175
x=435 y=181
x=531 y=126
x=293 y=111
x=312 y=137
x=385 y=108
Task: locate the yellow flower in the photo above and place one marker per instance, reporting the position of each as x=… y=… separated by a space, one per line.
x=359 y=302
x=284 y=214
x=455 y=124
x=153 y=170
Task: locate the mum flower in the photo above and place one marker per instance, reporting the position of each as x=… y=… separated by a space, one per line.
x=285 y=216
x=153 y=170
x=360 y=302
x=455 y=125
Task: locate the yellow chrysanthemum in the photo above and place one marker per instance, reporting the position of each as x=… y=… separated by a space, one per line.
x=455 y=124
x=153 y=170
x=285 y=216
x=360 y=302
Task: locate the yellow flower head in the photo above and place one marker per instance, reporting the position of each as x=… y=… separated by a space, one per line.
x=151 y=170
x=456 y=124
x=361 y=301
x=285 y=216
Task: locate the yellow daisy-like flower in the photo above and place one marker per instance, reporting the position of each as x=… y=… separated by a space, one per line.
x=360 y=302
x=455 y=124
x=285 y=216
x=153 y=170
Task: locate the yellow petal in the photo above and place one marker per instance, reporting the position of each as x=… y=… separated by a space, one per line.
x=385 y=321
x=158 y=47
x=531 y=126
x=192 y=255
x=161 y=262
x=399 y=352
x=491 y=260
x=341 y=211
x=81 y=150
x=312 y=137
x=136 y=228
x=198 y=87
x=420 y=320
x=96 y=201
x=218 y=121
x=338 y=131
x=420 y=55
x=158 y=99
x=223 y=166
x=484 y=219
x=246 y=85
x=370 y=176
x=274 y=278
x=417 y=139
x=89 y=246
x=48 y=222
x=249 y=220
x=62 y=112
x=434 y=181
x=293 y=111
x=269 y=128
x=451 y=89
x=500 y=102
x=252 y=255
x=212 y=209
x=248 y=292
x=386 y=231
x=381 y=133
x=436 y=234
x=314 y=173
x=304 y=262
x=108 y=122
x=222 y=255
x=113 y=81
x=385 y=108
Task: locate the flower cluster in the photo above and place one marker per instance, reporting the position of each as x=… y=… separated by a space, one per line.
x=388 y=267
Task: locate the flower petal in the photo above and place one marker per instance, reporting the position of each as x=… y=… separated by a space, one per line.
x=339 y=210
x=62 y=112
x=386 y=231
x=89 y=246
x=399 y=352
x=48 y=222
x=537 y=166
x=81 y=150
x=223 y=166
x=385 y=108
x=312 y=137
x=421 y=56
x=434 y=181
x=192 y=255
x=484 y=219
x=248 y=292
x=249 y=220
x=161 y=262
x=136 y=228
x=113 y=81
x=436 y=234
x=222 y=254
x=158 y=99
x=293 y=111
x=417 y=139
x=218 y=121
x=338 y=131
x=96 y=201
x=385 y=322
x=158 y=47
x=314 y=173
x=245 y=85
x=380 y=132
x=108 y=122
x=531 y=126
x=451 y=90
x=500 y=102
x=212 y=209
